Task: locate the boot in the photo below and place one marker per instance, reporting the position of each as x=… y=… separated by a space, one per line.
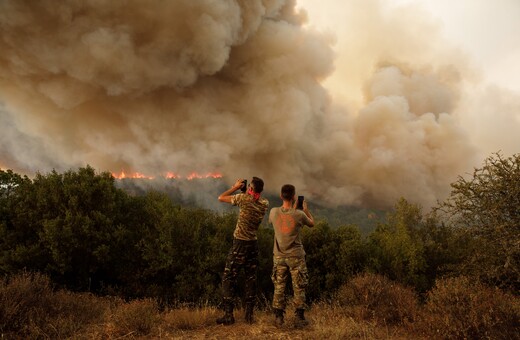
x=249 y=313
x=227 y=318
x=300 y=318
x=278 y=314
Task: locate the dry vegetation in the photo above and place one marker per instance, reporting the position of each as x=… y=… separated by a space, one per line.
x=367 y=307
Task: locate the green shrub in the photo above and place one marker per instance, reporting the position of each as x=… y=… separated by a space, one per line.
x=374 y=297
x=461 y=308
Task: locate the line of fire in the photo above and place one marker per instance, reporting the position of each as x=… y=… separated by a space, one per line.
x=168 y=175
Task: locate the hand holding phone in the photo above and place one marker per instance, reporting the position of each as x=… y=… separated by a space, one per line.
x=299 y=204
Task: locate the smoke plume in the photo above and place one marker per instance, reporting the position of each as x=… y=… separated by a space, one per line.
x=233 y=86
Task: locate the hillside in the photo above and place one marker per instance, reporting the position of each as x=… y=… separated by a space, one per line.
x=455 y=309
x=203 y=193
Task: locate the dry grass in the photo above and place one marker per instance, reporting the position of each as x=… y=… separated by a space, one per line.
x=464 y=309
x=31 y=309
x=374 y=297
x=325 y=323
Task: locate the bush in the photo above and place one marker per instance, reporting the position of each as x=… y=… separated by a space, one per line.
x=461 y=308
x=68 y=315
x=23 y=300
x=29 y=307
x=137 y=317
x=370 y=296
x=485 y=209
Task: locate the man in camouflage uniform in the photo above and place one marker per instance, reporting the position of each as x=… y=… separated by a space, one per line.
x=244 y=252
x=288 y=254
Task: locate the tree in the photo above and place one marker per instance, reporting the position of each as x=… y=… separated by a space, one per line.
x=10 y=186
x=395 y=248
x=350 y=257
x=79 y=212
x=20 y=246
x=486 y=207
x=333 y=256
x=444 y=248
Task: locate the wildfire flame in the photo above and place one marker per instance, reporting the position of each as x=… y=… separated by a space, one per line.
x=168 y=175
x=208 y=175
x=123 y=175
x=172 y=175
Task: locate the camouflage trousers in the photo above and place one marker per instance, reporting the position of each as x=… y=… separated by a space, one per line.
x=297 y=267
x=243 y=255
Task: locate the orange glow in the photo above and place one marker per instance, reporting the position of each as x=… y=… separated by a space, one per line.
x=168 y=175
x=172 y=175
x=131 y=175
x=194 y=175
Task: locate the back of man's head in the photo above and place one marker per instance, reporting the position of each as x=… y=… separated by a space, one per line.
x=257 y=184
x=288 y=191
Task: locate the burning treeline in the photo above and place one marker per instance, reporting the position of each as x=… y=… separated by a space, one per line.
x=229 y=86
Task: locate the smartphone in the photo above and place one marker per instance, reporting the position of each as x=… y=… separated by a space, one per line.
x=244 y=185
x=299 y=205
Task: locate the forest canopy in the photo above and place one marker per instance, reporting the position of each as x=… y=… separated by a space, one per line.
x=87 y=234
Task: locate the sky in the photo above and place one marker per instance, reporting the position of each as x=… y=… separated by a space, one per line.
x=355 y=102
x=481 y=34
x=487 y=30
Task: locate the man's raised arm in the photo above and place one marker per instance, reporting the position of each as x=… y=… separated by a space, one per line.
x=226 y=195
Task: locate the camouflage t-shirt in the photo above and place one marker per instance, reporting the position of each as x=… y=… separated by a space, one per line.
x=250 y=216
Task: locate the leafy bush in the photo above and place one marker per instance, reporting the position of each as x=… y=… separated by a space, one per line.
x=333 y=256
x=374 y=297
x=485 y=208
x=462 y=308
x=396 y=249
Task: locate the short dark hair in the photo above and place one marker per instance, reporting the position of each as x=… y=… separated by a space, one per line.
x=288 y=191
x=257 y=184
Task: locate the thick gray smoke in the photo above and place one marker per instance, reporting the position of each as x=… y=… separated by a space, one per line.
x=229 y=86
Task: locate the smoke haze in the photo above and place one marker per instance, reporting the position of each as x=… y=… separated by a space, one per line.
x=235 y=87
